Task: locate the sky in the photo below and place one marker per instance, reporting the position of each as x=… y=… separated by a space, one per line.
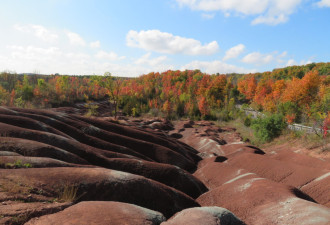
x=134 y=37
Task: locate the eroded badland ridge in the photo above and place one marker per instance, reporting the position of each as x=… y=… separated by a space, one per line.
x=59 y=167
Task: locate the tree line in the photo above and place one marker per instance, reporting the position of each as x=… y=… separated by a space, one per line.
x=299 y=93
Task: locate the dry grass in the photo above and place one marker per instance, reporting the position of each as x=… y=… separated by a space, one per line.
x=305 y=140
x=15 y=186
x=19 y=219
x=68 y=193
x=315 y=142
x=245 y=132
x=311 y=142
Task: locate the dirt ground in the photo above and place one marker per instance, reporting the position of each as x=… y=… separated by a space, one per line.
x=60 y=167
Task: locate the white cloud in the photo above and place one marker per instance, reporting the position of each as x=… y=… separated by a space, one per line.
x=227 y=14
x=77 y=56
x=291 y=62
x=133 y=70
x=62 y=56
x=38 y=31
x=208 y=16
x=234 y=52
x=269 y=12
x=108 y=56
x=95 y=44
x=52 y=60
x=271 y=20
x=283 y=54
x=75 y=39
x=157 y=41
x=145 y=59
x=304 y=62
x=324 y=3
x=215 y=66
x=246 y=7
x=33 y=52
x=31 y=58
x=258 y=58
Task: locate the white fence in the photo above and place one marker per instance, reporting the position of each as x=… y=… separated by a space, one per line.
x=295 y=126
x=309 y=130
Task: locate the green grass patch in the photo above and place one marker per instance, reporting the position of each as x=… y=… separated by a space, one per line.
x=16 y=165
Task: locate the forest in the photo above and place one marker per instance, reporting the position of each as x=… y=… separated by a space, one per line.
x=301 y=94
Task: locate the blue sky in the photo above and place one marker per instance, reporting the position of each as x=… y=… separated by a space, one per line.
x=134 y=37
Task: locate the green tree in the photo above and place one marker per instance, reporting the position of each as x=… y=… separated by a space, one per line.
x=24 y=89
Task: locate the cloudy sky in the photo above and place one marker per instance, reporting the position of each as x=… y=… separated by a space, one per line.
x=134 y=37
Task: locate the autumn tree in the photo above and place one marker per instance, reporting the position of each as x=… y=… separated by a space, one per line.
x=218 y=90
x=63 y=88
x=203 y=107
x=247 y=86
x=167 y=108
x=112 y=86
x=4 y=96
x=41 y=93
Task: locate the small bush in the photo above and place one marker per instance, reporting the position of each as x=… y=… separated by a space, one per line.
x=27 y=165
x=247 y=121
x=135 y=112
x=154 y=112
x=269 y=127
x=224 y=115
x=91 y=109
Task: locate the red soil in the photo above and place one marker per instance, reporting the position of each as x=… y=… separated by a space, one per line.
x=95 y=159
x=259 y=188
x=204 y=215
x=102 y=213
x=95 y=170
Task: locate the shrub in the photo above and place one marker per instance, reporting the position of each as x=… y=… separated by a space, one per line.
x=269 y=127
x=247 y=121
x=91 y=108
x=135 y=112
x=154 y=112
x=223 y=115
x=17 y=164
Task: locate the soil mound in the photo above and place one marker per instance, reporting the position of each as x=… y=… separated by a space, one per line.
x=102 y=213
x=49 y=158
x=96 y=184
x=58 y=167
x=257 y=187
x=204 y=215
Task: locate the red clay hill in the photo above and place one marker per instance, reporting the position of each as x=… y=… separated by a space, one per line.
x=58 y=167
